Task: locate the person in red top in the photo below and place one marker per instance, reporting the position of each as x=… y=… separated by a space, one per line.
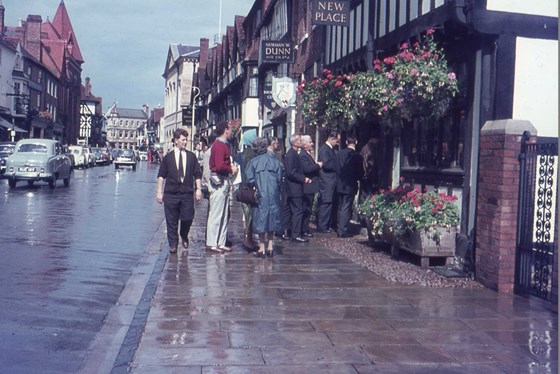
x=221 y=169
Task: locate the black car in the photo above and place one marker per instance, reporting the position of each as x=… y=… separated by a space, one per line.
x=6 y=149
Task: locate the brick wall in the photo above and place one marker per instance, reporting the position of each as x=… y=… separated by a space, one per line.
x=497 y=202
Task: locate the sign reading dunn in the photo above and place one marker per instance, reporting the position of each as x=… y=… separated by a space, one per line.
x=276 y=51
x=330 y=12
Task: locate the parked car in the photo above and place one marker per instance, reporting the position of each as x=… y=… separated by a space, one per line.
x=38 y=160
x=143 y=155
x=102 y=155
x=125 y=157
x=80 y=157
x=6 y=149
x=90 y=156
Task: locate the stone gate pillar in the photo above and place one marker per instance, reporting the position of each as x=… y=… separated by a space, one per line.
x=497 y=202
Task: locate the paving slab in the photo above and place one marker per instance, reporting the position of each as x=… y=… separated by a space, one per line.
x=310 y=310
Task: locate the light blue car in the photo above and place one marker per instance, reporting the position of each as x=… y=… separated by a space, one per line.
x=38 y=160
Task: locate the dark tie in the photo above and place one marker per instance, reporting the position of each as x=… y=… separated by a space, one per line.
x=181 y=170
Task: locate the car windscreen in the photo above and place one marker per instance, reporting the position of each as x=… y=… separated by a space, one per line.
x=32 y=148
x=126 y=153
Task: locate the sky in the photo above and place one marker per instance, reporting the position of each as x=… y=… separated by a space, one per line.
x=124 y=43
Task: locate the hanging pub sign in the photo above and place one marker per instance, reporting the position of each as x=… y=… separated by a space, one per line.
x=267 y=99
x=277 y=51
x=330 y=12
x=284 y=91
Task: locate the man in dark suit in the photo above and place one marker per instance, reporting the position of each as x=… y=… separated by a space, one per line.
x=327 y=182
x=294 y=187
x=349 y=169
x=182 y=176
x=310 y=170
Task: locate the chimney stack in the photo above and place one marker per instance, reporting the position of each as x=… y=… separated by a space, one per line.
x=88 y=87
x=32 y=36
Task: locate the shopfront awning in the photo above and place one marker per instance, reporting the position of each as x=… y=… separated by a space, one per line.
x=8 y=126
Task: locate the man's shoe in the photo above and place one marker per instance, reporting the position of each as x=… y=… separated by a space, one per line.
x=214 y=249
x=186 y=243
x=172 y=249
x=285 y=237
x=224 y=248
x=308 y=234
x=299 y=239
x=327 y=231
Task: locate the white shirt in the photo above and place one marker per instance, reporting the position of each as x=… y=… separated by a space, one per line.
x=184 y=155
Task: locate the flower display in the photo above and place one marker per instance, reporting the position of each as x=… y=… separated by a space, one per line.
x=414 y=83
x=406 y=209
x=234 y=125
x=325 y=101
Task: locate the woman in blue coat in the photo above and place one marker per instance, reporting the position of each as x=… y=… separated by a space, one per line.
x=265 y=172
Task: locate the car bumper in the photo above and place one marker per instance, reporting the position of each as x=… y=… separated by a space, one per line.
x=29 y=175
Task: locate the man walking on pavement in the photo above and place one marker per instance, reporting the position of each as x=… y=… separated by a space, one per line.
x=349 y=169
x=182 y=175
x=310 y=170
x=221 y=169
x=294 y=187
x=327 y=182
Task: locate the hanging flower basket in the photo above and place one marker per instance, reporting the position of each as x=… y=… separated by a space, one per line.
x=414 y=83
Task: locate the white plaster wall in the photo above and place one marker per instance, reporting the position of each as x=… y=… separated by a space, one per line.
x=6 y=81
x=535 y=7
x=250 y=112
x=535 y=95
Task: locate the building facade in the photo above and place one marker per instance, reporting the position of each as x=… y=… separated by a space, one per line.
x=122 y=127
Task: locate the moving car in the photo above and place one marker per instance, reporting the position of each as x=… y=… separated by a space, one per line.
x=125 y=157
x=90 y=157
x=6 y=149
x=38 y=160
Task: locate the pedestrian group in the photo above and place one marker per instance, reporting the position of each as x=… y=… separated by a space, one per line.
x=286 y=187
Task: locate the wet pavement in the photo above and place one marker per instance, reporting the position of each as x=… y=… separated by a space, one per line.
x=309 y=310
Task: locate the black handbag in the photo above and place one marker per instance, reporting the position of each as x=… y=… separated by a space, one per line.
x=247 y=195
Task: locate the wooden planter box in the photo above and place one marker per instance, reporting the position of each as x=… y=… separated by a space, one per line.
x=419 y=244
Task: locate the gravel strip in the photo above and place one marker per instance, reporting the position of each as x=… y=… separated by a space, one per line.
x=381 y=263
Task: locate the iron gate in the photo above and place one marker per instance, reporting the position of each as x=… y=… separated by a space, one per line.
x=537 y=218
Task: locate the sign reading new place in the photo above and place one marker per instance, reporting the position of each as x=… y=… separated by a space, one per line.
x=330 y=12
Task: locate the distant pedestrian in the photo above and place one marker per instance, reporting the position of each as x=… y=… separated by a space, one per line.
x=349 y=169
x=294 y=188
x=311 y=170
x=327 y=182
x=221 y=170
x=264 y=172
x=181 y=175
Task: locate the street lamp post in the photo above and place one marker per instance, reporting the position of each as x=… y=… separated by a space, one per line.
x=196 y=93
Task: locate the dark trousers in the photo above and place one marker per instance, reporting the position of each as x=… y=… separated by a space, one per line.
x=344 y=212
x=307 y=210
x=286 y=215
x=325 y=213
x=179 y=207
x=296 y=210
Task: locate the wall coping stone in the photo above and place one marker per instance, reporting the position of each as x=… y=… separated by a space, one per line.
x=508 y=127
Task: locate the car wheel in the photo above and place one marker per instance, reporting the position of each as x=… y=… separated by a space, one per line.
x=12 y=183
x=66 y=181
x=30 y=183
x=116 y=166
x=134 y=167
x=52 y=182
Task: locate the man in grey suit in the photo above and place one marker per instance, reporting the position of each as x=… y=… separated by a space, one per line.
x=327 y=182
